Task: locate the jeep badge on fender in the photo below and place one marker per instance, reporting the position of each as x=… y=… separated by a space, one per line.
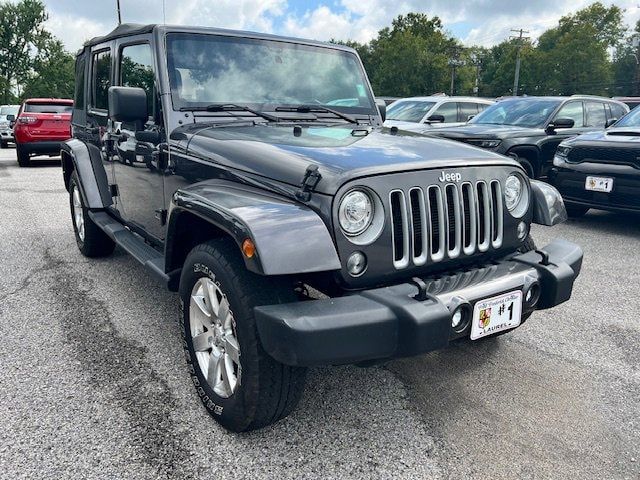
x=252 y=175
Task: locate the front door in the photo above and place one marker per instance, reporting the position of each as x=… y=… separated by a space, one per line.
x=140 y=181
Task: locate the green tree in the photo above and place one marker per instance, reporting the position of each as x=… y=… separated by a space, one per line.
x=52 y=74
x=22 y=40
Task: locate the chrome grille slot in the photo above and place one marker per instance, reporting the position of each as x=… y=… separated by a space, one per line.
x=437 y=223
x=399 y=229
x=431 y=224
x=454 y=222
x=496 y=214
x=419 y=235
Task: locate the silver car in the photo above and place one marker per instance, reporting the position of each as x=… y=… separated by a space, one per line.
x=420 y=114
x=6 y=129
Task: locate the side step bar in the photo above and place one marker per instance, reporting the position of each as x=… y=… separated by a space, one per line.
x=132 y=244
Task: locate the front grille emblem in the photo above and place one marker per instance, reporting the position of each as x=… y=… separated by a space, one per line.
x=450 y=177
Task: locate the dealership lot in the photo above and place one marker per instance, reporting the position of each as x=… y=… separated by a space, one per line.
x=93 y=383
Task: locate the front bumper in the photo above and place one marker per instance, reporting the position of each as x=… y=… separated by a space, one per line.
x=570 y=179
x=390 y=322
x=7 y=135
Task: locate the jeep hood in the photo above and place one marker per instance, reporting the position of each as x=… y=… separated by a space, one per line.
x=612 y=135
x=486 y=131
x=342 y=153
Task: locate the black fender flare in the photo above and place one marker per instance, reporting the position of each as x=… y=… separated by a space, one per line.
x=532 y=150
x=289 y=237
x=86 y=160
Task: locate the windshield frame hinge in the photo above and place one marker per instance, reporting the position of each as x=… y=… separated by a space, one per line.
x=309 y=182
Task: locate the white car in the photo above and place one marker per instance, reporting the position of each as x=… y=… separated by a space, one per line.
x=6 y=132
x=420 y=114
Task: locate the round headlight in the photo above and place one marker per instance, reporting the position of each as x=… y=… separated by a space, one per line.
x=355 y=212
x=513 y=188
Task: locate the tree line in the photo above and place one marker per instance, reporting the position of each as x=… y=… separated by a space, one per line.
x=591 y=51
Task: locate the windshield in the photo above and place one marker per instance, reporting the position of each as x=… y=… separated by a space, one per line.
x=9 y=110
x=409 y=110
x=522 y=112
x=211 y=69
x=631 y=119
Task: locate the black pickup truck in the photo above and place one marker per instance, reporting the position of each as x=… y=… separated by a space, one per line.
x=251 y=174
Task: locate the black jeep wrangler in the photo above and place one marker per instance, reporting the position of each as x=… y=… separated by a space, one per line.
x=251 y=174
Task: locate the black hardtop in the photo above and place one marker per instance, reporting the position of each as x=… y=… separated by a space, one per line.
x=130 y=29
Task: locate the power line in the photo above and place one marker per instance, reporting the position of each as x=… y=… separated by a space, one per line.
x=519 y=39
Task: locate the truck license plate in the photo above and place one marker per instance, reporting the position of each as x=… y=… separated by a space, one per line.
x=599 y=184
x=496 y=314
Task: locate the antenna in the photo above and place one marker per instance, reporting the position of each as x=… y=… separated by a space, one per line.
x=119 y=16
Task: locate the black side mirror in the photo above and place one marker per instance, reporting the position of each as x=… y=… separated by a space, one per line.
x=470 y=117
x=610 y=122
x=382 y=108
x=11 y=118
x=128 y=104
x=561 y=123
x=436 y=119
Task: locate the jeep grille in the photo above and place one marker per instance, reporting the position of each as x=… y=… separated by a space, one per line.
x=434 y=223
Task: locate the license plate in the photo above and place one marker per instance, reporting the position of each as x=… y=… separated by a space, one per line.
x=496 y=314
x=599 y=184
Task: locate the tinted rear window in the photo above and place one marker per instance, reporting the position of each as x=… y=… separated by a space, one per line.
x=48 y=108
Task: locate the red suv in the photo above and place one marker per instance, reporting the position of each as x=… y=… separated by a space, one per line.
x=42 y=125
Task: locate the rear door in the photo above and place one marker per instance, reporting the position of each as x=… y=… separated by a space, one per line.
x=596 y=115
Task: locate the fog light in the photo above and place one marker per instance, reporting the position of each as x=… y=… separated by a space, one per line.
x=456 y=319
x=522 y=230
x=356 y=264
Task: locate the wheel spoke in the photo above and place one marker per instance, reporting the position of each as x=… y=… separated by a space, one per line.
x=203 y=309
x=212 y=297
x=213 y=373
x=201 y=342
x=223 y=312
x=227 y=374
x=231 y=348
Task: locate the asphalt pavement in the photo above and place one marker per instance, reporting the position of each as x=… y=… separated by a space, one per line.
x=93 y=383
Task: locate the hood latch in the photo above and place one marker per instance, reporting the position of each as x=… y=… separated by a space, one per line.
x=309 y=182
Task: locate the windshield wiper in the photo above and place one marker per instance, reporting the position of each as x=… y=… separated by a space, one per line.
x=231 y=107
x=317 y=109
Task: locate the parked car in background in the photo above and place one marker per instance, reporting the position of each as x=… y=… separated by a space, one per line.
x=601 y=169
x=421 y=114
x=631 y=102
x=42 y=125
x=7 y=116
x=530 y=128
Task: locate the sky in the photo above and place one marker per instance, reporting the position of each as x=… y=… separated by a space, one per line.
x=474 y=22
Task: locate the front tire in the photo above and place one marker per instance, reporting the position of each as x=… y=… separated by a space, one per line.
x=4 y=144
x=24 y=160
x=240 y=385
x=91 y=240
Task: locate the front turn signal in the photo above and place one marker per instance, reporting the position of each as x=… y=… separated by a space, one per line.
x=248 y=248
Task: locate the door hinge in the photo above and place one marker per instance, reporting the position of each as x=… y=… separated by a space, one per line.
x=113 y=188
x=161 y=215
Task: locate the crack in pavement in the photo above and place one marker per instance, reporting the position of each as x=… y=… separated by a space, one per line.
x=119 y=369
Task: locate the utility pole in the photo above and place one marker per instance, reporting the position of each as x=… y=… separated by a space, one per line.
x=519 y=39
x=635 y=43
x=477 y=62
x=454 y=62
x=119 y=16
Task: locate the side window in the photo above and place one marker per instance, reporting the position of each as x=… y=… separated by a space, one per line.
x=596 y=115
x=574 y=111
x=465 y=110
x=79 y=85
x=617 y=111
x=449 y=111
x=101 y=79
x=136 y=70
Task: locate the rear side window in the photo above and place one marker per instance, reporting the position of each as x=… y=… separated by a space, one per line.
x=48 y=108
x=79 y=92
x=101 y=79
x=617 y=111
x=465 y=110
x=136 y=70
x=596 y=114
x=574 y=111
x=449 y=111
